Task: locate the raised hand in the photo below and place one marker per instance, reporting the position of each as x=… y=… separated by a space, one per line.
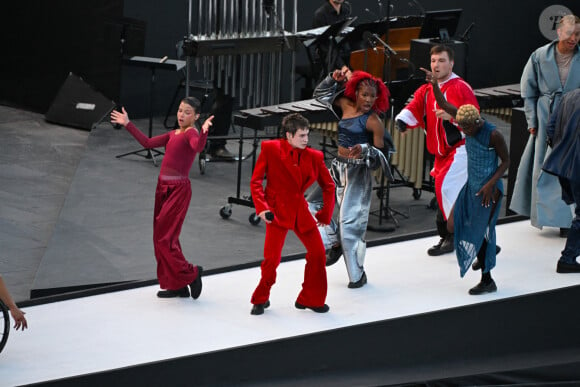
x=206 y=124
x=121 y=118
x=341 y=75
x=429 y=76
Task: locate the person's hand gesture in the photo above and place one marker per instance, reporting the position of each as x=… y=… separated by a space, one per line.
x=19 y=319
x=355 y=151
x=429 y=76
x=341 y=75
x=206 y=124
x=121 y=118
x=440 y=113
x=267 y=216
x=486 y=193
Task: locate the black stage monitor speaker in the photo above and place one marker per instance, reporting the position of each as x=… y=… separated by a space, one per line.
x=78 y=105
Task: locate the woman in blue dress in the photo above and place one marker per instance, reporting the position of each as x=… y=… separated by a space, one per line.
x=477 y=207
x=474 y=215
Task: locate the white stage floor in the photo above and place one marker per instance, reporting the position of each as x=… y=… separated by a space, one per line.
x=133 y=327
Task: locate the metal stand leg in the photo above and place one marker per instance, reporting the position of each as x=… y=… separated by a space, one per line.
x=149 y=153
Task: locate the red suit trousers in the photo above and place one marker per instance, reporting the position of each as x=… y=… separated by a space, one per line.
x=172 y=199
x=314 y=286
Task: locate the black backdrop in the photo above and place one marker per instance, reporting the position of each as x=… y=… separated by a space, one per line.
x=44 y=41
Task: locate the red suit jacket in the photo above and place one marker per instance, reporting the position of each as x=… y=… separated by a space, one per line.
x=286 y=183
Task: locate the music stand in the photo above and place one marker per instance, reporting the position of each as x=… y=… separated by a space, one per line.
x=152 y=64
x=401 y=89
x=329 y=36
x=355 y=37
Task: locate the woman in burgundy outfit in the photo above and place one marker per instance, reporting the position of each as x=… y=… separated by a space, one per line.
x=172 y=196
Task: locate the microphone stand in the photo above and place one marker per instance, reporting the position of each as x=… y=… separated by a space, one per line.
x=384 y=189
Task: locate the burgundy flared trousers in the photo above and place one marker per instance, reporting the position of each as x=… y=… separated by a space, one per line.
x=172 y=199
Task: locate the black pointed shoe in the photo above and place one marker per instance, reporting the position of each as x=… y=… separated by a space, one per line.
x=565 y=267
x=318 y=309
x=333 y=255
x=183 y=292
x=360 y=283
x=196 y=285
x=258 y=309
x=482 y=288
x=444 y=246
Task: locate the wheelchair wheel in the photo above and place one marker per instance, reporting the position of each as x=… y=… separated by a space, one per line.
x=4 y=325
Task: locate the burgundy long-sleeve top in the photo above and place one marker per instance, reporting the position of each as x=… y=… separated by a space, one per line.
x=180 y=148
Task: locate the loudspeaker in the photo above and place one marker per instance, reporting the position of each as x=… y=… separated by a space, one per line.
x=78 y=105
x=421 y=57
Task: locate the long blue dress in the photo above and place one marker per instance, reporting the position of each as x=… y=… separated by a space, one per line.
x=473 y=222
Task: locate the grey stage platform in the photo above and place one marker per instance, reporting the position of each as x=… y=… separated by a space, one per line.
x=73 y=215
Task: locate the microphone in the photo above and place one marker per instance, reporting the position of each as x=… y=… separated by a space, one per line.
x=269 y=216
x=410 y=64
x=465 y=36
x=368 y=38
x=378 y=39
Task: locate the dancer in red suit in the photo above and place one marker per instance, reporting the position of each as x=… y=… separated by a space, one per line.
x=290 y=167
x=172 y=196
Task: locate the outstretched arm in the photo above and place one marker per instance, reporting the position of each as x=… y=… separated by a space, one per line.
x=197 y=141
x=122 y=118
x=17 y=314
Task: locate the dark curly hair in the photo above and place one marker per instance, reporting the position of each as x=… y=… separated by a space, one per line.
x=362 y=78
x=292 y=122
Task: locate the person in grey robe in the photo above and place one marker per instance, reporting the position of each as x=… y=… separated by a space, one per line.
x=551 y=71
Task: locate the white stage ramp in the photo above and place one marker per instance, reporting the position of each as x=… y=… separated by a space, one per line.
x=413 y=322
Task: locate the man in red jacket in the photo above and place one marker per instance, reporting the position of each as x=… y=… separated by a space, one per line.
x=445 y=140
x=290 y=167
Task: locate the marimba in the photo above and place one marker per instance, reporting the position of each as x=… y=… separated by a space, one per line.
x=499 y=100
x=259 y=118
